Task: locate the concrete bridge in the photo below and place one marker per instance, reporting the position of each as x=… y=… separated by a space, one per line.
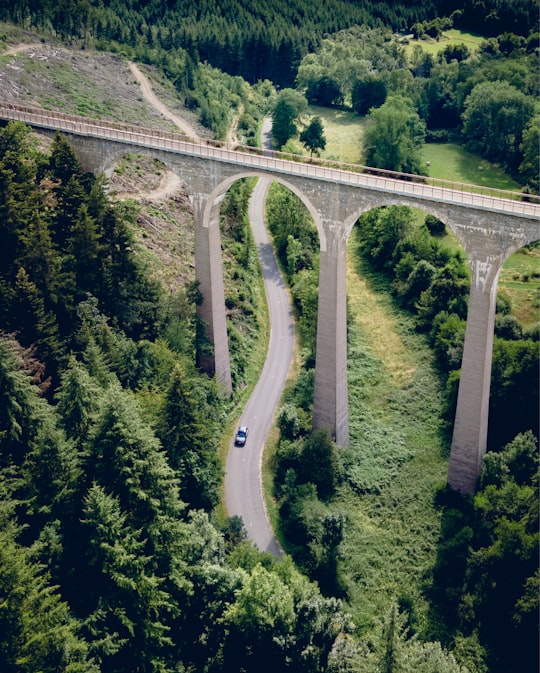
x=490 y=226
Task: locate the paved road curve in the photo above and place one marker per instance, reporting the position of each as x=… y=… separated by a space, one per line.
x=243 y=487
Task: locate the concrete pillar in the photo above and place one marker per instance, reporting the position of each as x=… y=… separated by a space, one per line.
x=209 y=273
x=469 y=440
x=330 y=403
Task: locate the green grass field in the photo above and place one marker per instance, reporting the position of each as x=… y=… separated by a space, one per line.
x=451 y=162
x=396 y=434
x=343 y=131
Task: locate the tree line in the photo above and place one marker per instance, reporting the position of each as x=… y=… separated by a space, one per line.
x=257 y=41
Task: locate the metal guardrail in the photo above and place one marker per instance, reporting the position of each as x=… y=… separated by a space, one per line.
x=418 y=186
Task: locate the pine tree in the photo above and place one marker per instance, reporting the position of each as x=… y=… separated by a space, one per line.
x=67 y=184
x=188 y=440
x=36 y=630
x=77 y=401
x=18 y=195
x=126 y=458
x=40 y=259
x=84 y=250
x=126 y=626
x=19 y=416
x=35 y=324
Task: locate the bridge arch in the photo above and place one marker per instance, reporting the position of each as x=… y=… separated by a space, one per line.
x=221 y=189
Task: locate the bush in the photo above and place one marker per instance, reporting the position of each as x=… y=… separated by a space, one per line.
x=435 y=226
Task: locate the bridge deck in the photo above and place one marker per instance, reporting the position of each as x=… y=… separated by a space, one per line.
x=255 y=159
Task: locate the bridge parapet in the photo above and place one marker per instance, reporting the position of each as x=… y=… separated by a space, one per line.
x=421 y=187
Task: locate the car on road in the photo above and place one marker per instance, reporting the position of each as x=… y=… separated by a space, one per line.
x=241 y=436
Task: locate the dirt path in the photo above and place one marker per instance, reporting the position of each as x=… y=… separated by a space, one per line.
x=142 y=80
x=169 y=184
x=151 y=97
x=17 y=48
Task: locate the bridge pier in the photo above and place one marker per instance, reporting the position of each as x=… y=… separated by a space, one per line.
x=330 y=403
x=213 y=353
x=469 y=441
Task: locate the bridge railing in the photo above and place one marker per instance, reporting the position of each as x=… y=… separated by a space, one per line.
x=482 y=196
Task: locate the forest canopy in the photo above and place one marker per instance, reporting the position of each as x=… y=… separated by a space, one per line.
x=256 y=40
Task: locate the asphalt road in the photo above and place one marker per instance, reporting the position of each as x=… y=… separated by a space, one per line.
x=243 y=487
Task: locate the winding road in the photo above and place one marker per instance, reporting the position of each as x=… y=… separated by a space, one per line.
x=244 y=495
x=243 y=483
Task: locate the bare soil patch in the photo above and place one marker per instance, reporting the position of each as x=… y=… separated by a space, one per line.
x=105 y=85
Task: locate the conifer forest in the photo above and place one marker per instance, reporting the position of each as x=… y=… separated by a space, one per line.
x=116 y=553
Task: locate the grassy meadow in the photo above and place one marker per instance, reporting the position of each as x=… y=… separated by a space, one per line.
x=397 y=458
x=449 y=37
x=453 y=163
x=343 y=131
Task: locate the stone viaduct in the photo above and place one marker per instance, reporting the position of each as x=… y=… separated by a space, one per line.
x=490 y=228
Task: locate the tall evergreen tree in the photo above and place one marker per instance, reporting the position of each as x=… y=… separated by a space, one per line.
x=40 y=259
x=20 y=418
x=187 y=438
x=18 y=195
x=35 y=324
x=84 y=249
x=77 y=401
x=37 y=632
x=126 y=459
x=126 y=626
x=65 y=172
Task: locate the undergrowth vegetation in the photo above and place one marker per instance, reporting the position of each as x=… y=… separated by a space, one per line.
x=369 y=530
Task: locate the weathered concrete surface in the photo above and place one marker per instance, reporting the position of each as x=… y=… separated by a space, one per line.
x=330 y=403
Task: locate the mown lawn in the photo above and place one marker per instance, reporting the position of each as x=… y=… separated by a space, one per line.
x=453 y=163
x=343 y=131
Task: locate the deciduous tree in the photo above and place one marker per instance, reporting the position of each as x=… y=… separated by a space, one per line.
x=394 y=136
x=290 y=104
x=495 y=117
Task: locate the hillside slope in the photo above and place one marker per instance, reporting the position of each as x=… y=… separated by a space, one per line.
x=105 y=85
